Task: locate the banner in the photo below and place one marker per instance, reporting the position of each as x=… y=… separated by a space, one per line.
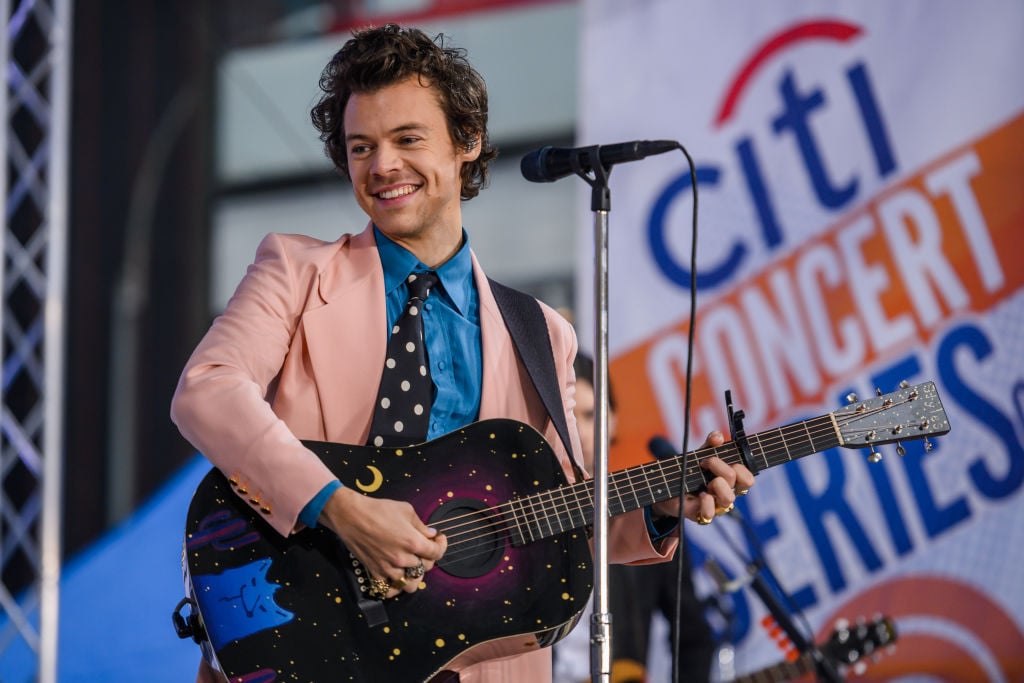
x=860 y=173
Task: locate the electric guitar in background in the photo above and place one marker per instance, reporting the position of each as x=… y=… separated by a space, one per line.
x=849 y=648
x=517 y=572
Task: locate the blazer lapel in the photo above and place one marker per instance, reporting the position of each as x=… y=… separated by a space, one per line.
x=347 y=338
x=501 y=395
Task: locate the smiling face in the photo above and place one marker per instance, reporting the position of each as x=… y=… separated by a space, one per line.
x=405 y=170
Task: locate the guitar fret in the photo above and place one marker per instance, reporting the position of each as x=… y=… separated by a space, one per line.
x=809 y=436
x=566 y=521
x=518 y=528
x=668 y=486
x=764 y=454
x=531 y=519
x=636 y=496
x=757 y=449
x=576 y=511
x=615 y=504
x=547 y=517
x=789 y=456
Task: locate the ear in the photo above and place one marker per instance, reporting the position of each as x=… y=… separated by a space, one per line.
x=472 y=149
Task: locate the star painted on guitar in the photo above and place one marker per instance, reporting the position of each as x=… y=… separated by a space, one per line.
x=246 y=587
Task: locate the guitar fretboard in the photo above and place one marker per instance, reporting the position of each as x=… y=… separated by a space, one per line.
x=572 y=507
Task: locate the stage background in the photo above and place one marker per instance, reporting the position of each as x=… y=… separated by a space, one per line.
x=860 y=223
x=861 y=168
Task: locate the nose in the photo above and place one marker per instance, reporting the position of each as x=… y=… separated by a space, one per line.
x=386 y=159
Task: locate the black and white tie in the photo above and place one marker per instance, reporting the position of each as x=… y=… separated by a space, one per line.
x=402 y=412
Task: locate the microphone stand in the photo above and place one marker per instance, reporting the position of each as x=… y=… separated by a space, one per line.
x=600 y=204
x=824 y=666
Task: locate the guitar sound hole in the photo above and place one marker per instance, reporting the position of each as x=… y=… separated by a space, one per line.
x=475 y=544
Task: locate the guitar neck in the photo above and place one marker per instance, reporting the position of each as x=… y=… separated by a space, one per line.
x=783 y=671
x=572 y=507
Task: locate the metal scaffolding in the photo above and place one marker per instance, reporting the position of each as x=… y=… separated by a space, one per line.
x=35 y=46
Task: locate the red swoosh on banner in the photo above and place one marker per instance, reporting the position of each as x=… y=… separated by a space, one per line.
x=816 y=30
x=950 y=630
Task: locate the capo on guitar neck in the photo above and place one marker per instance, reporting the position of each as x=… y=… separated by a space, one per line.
x=739 y=435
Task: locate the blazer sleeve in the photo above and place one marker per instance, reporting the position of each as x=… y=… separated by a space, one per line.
x=222 y=401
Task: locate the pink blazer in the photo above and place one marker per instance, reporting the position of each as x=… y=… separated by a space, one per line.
x=298 y=354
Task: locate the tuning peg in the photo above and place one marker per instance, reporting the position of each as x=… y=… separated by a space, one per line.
x=900 y=450
x=874 y=456
x=878 y=392
x=851 y=397
x=904 y=384
x=928 y=445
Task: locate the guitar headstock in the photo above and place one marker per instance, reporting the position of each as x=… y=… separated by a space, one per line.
x=912 y=412
x=851 y=643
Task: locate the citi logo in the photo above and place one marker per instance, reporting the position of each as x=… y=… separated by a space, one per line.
x=798 y=122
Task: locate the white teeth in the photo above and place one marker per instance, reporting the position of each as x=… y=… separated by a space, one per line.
x=397 y=192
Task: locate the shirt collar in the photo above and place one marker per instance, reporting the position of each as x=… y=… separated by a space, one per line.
x=455 y=274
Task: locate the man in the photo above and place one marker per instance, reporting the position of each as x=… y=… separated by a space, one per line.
x=300 y=350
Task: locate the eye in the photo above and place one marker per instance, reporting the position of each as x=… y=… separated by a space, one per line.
x=358 y=150
x=408 y=139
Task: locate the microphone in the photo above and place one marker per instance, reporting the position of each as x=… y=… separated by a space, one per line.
x=548 y=164
x=661 y=448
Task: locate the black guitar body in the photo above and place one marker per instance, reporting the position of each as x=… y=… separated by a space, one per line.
x=284 y=609
x=517 y=572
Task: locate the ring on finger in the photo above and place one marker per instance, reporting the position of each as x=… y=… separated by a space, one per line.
x=702 y=520
x=399 y=583
x=725 y=510
x=415 y=572
x=379 y=588
x=742 y=492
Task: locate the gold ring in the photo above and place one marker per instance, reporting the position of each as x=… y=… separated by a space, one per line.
x=742 y=492
x=724 y=511
x=379 y=588
x=702 y=520
x=415 y=572
x=399 y=583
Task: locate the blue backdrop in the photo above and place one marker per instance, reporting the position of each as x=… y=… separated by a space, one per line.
x=117 y=597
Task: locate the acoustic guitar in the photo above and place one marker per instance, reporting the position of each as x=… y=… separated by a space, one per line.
x=517 y=572
x=849 y=647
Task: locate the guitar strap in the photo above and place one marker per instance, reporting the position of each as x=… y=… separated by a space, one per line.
x=526 y=325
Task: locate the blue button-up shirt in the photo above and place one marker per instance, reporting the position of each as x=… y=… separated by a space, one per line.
x=451 y=324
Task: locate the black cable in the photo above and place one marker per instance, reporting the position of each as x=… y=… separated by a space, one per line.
x=680 y=568
x=759 y=561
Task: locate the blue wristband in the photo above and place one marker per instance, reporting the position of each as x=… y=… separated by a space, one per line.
x=311 y=513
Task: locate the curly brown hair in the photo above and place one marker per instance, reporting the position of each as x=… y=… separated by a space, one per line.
x=377 y=57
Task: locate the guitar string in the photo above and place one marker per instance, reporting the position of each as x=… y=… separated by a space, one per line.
x=578 y=498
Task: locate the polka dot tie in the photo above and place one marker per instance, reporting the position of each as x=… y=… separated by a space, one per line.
x=402 y=412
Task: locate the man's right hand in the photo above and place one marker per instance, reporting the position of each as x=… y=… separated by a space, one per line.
x=386 y=536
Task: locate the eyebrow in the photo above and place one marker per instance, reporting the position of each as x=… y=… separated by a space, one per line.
x=404 y=128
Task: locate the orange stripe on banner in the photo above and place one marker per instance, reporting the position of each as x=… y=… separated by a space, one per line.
x=886 y=278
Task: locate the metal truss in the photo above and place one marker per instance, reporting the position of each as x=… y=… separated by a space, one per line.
x=35 y=54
